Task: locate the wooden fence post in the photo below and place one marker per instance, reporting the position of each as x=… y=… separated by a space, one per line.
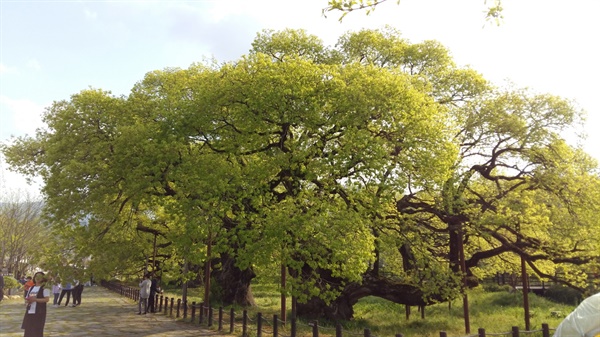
x=220 y=325
x=259 y=324
x=231 y=320
x=367 y=332
x=245 y=324
x=178 y=307
x=210 y=316
x=193 y=312
x=166 y=304
x=338 y=330
x=515 y=331
x=443 y=334
x=294 y=327
x=545 y=330
x=172 y=303
x=275 y=326
x=201 y=313
x=481 y=332
x=315 y=329
x=185 y=309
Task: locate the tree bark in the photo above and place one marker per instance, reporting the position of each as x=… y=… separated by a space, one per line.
x=234 y=282
x=342 y=307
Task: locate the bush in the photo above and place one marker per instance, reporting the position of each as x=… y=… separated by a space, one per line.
x=495 y=288
x=562 y=294
x=11 y=283
x=216 y=291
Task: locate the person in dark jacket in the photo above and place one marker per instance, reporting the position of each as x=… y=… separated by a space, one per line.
x=1 y=285
x=67 y=289
x=154 y=289
x=77 y=290
x=35 y=314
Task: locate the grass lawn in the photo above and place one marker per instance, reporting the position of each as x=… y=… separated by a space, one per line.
x=497 y=312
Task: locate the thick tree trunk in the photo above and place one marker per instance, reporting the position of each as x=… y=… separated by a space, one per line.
x=454 y=247
x=234 y=283
x=454 y=255
x=342 y=307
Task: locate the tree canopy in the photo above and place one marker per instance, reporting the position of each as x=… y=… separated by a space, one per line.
x=360 y=168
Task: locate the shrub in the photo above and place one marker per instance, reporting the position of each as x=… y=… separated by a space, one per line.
x=11 y=283
x=495 y=288
x=216 y=291
x=562 y=294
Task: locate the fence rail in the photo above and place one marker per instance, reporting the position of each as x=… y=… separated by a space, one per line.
x=202 y=315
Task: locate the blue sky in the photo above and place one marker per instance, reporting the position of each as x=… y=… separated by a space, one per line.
x=50 y=50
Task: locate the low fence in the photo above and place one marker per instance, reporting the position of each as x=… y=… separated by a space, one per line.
x=209 y=317
x=516 y=280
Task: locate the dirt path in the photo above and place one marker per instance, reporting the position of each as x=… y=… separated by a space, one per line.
x=102 y=313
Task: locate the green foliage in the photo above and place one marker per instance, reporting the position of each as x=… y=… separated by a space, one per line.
x=22 y=233
x=326 y=160
x=11 y=283
x=493 y=12
x=494 y=287
x=565 y=295
x=216 y=291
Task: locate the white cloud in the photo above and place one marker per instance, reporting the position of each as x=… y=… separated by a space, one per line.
x=19 y=117
x=4 y=69
x=13 y=185
x=34 y=64
x=90 y=15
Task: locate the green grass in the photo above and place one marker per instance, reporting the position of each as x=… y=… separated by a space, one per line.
x=497 y=312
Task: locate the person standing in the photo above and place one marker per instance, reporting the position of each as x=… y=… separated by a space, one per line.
x=66 y=290
x=153 y=291
x=1 y=285
x=28 y=284
x=77 y=291
x=56 y=288
x=144 y=294
x=35 y=314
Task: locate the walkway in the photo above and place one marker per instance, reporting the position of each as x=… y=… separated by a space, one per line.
x=102 y=313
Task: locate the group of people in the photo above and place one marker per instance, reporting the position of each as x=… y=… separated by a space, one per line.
x=58 y=291
x=37 y=296
x=148 y=290
x=75 y=289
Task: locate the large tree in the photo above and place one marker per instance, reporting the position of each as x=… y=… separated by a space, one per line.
x=361 y=169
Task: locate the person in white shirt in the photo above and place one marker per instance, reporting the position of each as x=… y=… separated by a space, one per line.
x=35 y=314
x=144 y=294
x=56 y=288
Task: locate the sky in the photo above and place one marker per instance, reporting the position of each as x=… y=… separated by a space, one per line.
x=50 y=50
